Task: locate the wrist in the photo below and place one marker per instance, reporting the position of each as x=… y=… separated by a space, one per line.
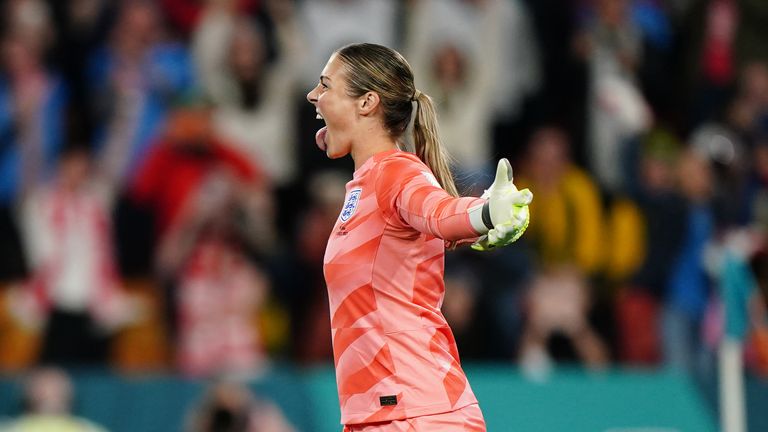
x=486 y=214
x=478 y=216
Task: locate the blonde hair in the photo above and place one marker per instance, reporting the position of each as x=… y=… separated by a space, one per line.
x=376 y=68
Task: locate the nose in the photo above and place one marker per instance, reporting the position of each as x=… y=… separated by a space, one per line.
x=311 y=96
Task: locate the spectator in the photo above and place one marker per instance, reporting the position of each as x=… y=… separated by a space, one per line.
x=731 y=143
x=566 y=198
x=212 y=212
x=496 y=36
x=253 y=98
x=688 y=287
x=218 y=290
x=48 y=396
x=133 y=79
x=618 y=112
x=663 y=209
x=74 y=288
x=220 y=295
x=462 y=84
x=501 y=72
x=32 y=101
x=558 y=304
x=565 y=230
x=185 y=153
x=229 y=406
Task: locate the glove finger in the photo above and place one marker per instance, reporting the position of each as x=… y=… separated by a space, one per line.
x=519 y=215
x=502 y=229
x=510 y=175
x=503 y=173
x=522 y=197
x=493 y=236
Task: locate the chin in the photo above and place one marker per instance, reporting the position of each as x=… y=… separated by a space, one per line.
x=334 y=154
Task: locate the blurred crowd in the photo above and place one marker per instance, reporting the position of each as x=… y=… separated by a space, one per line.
x=163 y=206
x=49 y=402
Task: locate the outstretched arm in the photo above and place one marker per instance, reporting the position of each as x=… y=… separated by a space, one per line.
x=407 y=190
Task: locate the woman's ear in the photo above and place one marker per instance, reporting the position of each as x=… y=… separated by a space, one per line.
x=368 y=103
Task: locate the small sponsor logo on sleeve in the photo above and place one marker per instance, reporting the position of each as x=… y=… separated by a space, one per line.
x=350 y=205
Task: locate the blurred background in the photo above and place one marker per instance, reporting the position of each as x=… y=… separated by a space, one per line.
x=164 y=209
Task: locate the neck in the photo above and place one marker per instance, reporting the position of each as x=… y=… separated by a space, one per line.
x=372 y=142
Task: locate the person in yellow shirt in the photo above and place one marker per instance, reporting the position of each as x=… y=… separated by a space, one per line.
x=566 y=233
x=566 y=219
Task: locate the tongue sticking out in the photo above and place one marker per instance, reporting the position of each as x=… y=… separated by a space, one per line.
x=320 y=138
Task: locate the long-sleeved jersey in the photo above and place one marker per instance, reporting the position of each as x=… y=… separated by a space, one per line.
x=394 y=353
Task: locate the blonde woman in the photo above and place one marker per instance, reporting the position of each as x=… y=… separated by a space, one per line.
x=397 y=366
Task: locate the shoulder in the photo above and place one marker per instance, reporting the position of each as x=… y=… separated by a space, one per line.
x=400 y=169
x=399 y=163
x=392 y=173
x=402 y=173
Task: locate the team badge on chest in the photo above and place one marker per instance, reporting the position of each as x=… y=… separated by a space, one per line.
x=350 y=205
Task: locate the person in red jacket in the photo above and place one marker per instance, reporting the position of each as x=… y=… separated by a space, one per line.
x=212 y=208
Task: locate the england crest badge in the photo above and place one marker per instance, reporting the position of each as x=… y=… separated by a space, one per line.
x=350 y=205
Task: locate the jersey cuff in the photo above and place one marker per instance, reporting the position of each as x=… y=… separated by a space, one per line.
x=476 y=218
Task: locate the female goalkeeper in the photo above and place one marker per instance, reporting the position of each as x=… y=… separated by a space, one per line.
x=397 y=367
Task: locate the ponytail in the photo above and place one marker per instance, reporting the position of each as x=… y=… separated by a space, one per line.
x=426 y=139
x=376 y=68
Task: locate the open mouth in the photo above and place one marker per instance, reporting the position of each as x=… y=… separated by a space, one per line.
x=320 y=135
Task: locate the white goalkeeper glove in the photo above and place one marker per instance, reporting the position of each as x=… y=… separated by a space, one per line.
x=504 y=216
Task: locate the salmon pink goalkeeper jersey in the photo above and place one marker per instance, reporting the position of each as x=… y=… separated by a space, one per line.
x=395 y=356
